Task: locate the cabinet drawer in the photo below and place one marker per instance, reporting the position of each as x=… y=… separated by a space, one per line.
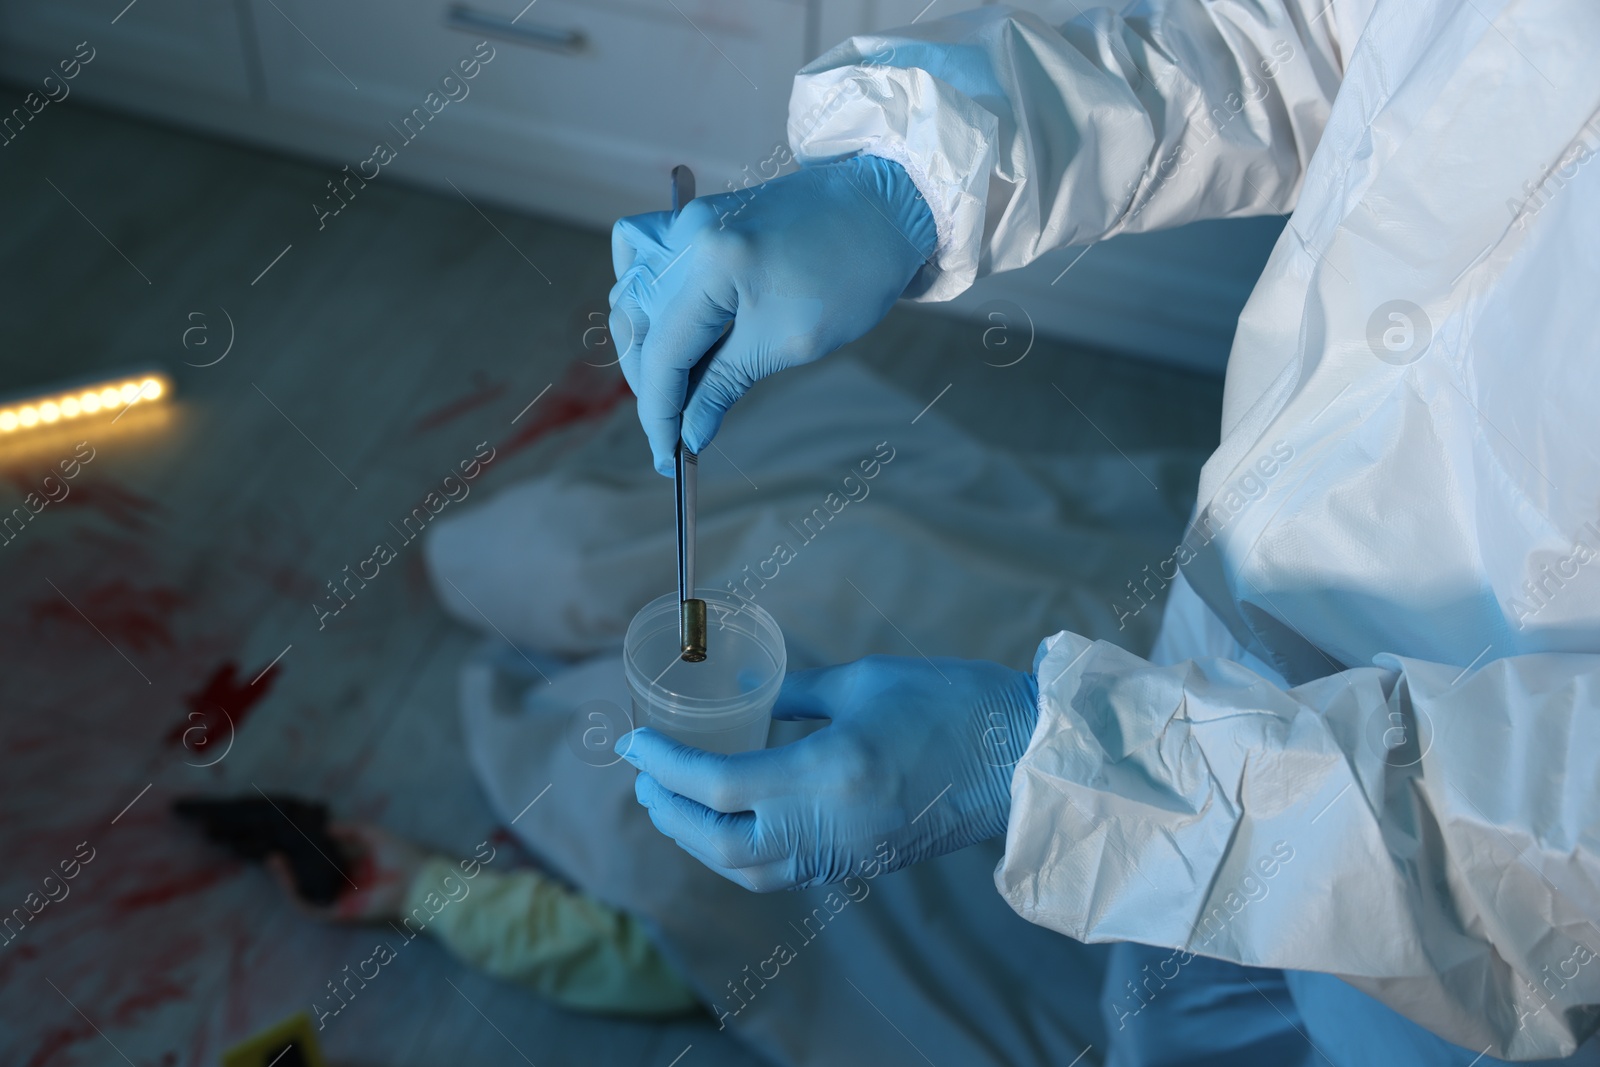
x=703 y=79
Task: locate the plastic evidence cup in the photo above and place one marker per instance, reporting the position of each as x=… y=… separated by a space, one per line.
x=721 y=705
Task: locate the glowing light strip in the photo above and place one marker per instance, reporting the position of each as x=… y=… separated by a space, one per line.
x=91 y=400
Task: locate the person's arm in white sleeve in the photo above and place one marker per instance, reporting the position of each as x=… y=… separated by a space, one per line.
x=1454 y=877
x=1023 y=137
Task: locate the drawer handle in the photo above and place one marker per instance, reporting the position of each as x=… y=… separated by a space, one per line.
x=552 y=38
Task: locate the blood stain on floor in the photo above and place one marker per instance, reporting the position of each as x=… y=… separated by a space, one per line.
x=130 y=510
x=156 y=992
x=484 y=393
x=582 y=394
x=57 y=1040
x=122 y=612
x=226 y=699
x=151 y=896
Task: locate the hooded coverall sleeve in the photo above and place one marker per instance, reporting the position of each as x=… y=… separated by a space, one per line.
x=1024 y=137
x=1427 y=834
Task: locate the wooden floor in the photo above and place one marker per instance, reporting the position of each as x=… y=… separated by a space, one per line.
x=159 y=617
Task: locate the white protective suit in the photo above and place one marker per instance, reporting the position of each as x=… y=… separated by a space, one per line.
x=1394 y=677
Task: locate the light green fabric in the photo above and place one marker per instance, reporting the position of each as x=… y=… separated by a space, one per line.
x=522 y=926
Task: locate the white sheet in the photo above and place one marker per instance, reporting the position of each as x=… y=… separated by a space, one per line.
x=955 y=548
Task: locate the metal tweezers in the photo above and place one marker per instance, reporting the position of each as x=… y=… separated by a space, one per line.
x=691 y=611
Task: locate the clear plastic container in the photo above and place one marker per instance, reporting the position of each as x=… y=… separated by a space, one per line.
x=721 y=705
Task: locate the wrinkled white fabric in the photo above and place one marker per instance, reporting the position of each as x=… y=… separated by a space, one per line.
x=1402 y=519
x=1024 y=137
x=958 y=548
x=561 y=563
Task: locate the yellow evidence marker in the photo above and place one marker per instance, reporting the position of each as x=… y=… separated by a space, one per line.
x=291 y=1043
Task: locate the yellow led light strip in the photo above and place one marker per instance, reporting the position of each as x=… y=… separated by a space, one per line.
x=100 y=398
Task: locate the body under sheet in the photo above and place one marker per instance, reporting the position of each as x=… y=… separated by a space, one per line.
x=872 y=530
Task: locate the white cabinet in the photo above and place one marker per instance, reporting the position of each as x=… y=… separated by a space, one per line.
x=581 y=113
x=582 y=110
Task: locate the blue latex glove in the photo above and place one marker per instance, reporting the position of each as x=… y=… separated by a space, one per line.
x=916 y=762
x=800 y=265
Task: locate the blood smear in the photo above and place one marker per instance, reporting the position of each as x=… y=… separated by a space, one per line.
x=483 y=394
x=124 y=507
x=581 y=395
x=226 y=700
x=124 y=613
x=168 y=891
